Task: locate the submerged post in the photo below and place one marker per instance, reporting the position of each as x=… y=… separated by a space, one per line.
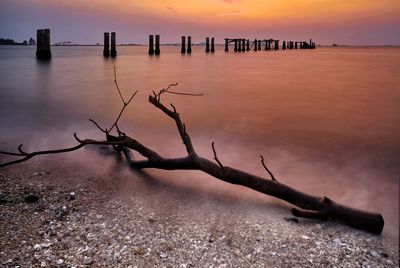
x=106 y=49
x=157 y=50
x=151 y=44
x=226 y=45
x=189 y=45
x=183 y=48
x=43 y=44
x=276 y=45
x=207 y=44
x=113 y=43
x=212 y=45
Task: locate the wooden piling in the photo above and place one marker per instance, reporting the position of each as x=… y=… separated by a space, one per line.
x=212 y=45
x=243 y=45
x=189 y=45
x=106 y=49
x=207 y=44
x=259 y=44
x=151 y=44
x=239 y=45
x=248 y=45
x=183 y=44
x=113 y=45
x=283 y=44
x=295 y=45
x=43 y=44
x=157 y=49
x=255 y=45
x=226 y=45
x=276 y=47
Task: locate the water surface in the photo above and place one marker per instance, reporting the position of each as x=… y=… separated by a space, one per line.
x=326 y=120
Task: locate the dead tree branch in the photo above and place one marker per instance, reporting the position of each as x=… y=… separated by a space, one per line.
x=308 y=206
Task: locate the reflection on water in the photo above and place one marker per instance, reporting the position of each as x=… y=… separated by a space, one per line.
x=328 y=120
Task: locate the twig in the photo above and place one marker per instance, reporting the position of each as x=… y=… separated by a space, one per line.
x=265 y=167
x=98 y=126
x=186 y=94
x=116 y=85
x=122 y=110
x=216 y=157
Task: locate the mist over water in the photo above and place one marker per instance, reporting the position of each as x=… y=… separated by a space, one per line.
x=327 y=120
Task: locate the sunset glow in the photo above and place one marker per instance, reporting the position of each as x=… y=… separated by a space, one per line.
x=357 y=20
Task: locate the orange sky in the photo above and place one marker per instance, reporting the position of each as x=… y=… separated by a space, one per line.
x=219 y=17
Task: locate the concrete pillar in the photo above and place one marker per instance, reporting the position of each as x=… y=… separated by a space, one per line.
x=276 y=47
x=226 y=45
x=157 y=49
x=283 y=44
x=212 y=45
x=106 y=50
x=255 y=44
x=43 y=44
x=189 y=45
x=113 y=45
x=183 y=45
x=207 y=44
x=151 y=44
x=248 y=45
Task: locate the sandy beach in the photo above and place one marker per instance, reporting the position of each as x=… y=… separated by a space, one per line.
x=57 y=213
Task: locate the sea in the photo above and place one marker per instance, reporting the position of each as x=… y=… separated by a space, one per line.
x=327 y=121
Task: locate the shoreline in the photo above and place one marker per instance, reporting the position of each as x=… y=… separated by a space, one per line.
x=115 y=218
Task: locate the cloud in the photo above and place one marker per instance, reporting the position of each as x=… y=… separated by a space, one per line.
x=170 y=8
x=232 y=13
x=231 y=1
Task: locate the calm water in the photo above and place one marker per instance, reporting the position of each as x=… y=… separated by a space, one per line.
x=326 y=120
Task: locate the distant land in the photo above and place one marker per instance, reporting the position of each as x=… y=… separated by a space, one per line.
x=4 y=41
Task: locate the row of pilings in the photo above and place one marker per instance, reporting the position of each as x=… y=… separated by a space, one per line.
x=43 y=50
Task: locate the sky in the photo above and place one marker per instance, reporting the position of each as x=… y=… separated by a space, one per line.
x=350 y=22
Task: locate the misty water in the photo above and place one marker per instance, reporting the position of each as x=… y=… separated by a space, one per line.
x=327 y=121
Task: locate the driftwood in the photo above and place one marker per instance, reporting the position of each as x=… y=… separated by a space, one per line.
x=308 y=206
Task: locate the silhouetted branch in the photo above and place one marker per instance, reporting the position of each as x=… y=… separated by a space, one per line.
x=310 y=206
x=27 y=156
